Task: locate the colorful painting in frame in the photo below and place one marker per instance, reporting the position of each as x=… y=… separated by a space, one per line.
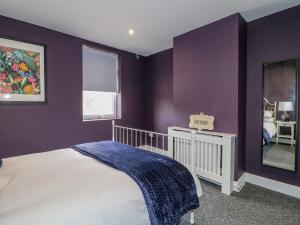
x=22 y=71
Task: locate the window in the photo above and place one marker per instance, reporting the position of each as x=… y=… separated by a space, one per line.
x=100 y=84
x=99 y=104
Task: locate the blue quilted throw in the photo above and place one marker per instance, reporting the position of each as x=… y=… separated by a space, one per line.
x=168 y=187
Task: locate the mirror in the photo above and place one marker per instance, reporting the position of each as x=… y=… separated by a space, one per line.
x=280 y=108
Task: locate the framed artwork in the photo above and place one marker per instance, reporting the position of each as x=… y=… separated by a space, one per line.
x=22 y=72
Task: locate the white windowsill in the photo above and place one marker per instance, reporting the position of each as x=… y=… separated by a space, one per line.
x=100 y=118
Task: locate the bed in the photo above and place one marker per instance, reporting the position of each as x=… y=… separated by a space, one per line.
x=65 y=187
x=269 y=118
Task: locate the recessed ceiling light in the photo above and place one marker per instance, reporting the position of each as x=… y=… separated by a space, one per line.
x=131 y=32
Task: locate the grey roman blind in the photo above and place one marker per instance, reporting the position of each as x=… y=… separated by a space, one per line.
x=100 y=70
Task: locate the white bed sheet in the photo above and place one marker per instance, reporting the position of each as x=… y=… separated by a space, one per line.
x=271 y=128
x=64 y=187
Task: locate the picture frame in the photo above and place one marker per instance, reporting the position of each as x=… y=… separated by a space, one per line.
x=22 y=72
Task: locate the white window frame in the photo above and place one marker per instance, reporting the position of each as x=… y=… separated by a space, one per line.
x=116 y=113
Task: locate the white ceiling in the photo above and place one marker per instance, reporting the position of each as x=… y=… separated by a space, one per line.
x=155 y=22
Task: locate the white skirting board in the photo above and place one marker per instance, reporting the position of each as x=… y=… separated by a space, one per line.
x=238 y=185
x=267 y=183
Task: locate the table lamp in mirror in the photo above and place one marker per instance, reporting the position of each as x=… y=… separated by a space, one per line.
x=285 y=107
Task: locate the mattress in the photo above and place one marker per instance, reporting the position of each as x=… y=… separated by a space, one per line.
x=64 y=187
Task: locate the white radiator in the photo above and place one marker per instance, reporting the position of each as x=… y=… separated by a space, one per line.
x=209 y=155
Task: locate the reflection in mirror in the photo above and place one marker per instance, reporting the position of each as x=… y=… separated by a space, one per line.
x=280 y=114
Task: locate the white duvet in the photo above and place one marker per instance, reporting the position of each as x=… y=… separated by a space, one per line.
x=271 y=128
x=64 y=187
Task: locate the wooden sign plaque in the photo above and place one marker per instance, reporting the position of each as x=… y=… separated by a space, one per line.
x=202 y=122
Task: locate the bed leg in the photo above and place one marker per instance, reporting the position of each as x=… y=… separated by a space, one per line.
x=192 y=218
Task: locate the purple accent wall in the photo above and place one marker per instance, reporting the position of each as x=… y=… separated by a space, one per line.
x=209 y=77
x=159 y=91
x=33 y=128
x=206 y=72
x=272 y=38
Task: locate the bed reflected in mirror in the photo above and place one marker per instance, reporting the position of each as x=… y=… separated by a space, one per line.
x=280 y=108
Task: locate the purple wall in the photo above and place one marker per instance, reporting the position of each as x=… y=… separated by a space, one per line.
x=206 y=72
x=272 y=38
x=208 y=69
x=159 y=91
x=34 y=128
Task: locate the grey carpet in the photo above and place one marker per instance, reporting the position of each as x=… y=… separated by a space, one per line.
x=279 y=155
x=252 y=206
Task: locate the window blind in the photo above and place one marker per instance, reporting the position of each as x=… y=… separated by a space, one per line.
x=100 y=70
